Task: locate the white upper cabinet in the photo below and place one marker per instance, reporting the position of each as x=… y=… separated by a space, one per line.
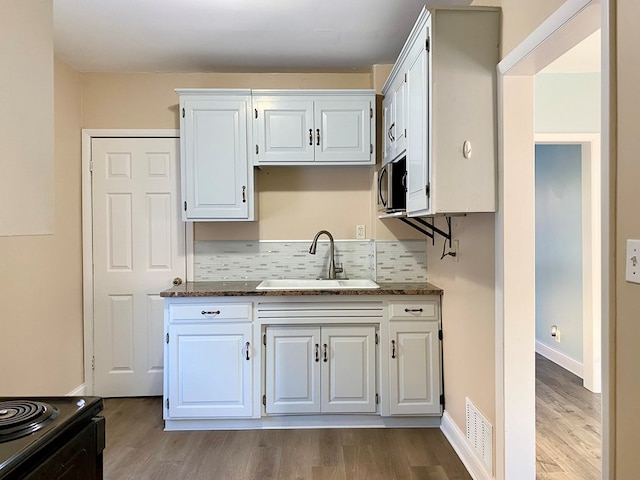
x=395 y=119
x=314 y=127
x=449 y=64
x=217 y=178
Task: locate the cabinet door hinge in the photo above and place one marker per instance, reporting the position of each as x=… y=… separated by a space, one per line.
x=405 y=77
x=256 y=110
x=428 y=44
x=93 y=363
x=182 y=112
x=167 y=402
x=377 y=339
x=427 y=190
x=91 y=165
x=167 y=338
x=370 y=112
x=405 y=133
x=439 y=334
x=442 y=400
x=185 y=206
x=257 y=150
x=371 y=148
x=264 y=400
x=264 y=340
x=377 y=399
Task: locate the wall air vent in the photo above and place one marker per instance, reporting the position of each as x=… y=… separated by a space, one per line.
x=480 y=435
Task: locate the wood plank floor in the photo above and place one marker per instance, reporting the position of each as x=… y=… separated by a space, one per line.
x=138 y=448
x=568 y=423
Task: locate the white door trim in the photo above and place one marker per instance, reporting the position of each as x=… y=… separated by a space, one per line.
x=87 y=235
x=514 y=250
x=591 y=371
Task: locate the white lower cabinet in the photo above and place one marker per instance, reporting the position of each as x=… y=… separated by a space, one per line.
x=414 y=360
x=320 y=369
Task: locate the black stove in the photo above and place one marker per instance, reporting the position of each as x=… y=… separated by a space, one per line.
x=51 y=438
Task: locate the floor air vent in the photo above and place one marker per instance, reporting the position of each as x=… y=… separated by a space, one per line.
x=480 y=434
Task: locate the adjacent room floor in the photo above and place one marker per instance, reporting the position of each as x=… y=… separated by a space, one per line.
x=568 y=425
x=138 y=448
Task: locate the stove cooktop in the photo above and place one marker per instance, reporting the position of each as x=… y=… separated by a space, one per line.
x=32 y=426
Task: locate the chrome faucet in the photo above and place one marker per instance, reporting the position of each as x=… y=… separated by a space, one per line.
x=332 y=266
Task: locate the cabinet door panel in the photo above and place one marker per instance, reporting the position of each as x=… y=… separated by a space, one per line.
x=418 y=124
x=284 y=131
x=209 y=373
x=293 y=370
x=348 y=376
x=399 y=92
x=343 y=128
x=414 y=368
x=216 y=171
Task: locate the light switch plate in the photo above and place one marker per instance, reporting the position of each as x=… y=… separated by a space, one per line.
x=633 y=261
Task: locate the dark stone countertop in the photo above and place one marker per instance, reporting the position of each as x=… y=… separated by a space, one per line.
x=248 y=289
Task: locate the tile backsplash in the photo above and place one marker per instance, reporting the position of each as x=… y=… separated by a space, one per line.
x=384 y=261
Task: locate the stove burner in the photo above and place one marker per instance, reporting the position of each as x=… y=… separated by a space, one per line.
x=22 y=417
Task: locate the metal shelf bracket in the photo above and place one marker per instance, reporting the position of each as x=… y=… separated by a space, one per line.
x=422 y=225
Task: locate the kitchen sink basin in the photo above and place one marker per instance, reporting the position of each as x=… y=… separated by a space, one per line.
x=303 y=284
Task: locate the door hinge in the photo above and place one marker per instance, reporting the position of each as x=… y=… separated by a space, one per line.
x=376 y=339
x=377 y=399
x=93 y=363
x=264 y=400
x=427 y=190
x=182 y=112
x=185 y=206
x=370 y=112
x=405 y=77
x=439 y=334
x=442 y=400
x=264 y=339
x=167 y=402
x=257 y=150
x=405 y=133
x=256 y=110
x=428 y=44
x=167 y=338
x=91 y=165
x=371 y=148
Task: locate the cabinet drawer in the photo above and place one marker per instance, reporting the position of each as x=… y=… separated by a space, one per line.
x=409 y=310
x=210 y=312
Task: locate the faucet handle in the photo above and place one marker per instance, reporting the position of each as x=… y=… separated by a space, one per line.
x=339 y=268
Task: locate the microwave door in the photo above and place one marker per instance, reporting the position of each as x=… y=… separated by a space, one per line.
x=383 y=192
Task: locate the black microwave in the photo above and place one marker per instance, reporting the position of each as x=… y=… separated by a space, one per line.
x=392 y=186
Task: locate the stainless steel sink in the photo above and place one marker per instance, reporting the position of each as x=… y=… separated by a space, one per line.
x=303 y=284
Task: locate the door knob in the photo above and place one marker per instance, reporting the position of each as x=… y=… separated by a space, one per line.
x=177 y=281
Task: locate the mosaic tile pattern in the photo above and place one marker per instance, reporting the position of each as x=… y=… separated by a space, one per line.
x=401 y=261
x=396 y=261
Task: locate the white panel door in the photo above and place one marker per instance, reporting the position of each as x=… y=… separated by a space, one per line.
x=414 y=368
x=284 y=130
x=343 y=131
x=210 y=370
x=138 y=249
x=418 y=135
x=348 y=371
x=293 y=370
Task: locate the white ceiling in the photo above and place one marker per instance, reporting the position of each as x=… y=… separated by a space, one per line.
x=232 y=35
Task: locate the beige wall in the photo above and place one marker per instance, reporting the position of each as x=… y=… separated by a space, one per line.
x=627 y=225
x=293 y=203
x=41 y=308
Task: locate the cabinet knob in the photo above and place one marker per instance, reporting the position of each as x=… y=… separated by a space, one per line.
x=177 y=281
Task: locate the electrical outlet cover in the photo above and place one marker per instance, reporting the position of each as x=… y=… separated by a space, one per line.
x=633 y=261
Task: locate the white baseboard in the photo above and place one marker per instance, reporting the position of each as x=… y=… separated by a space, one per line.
x=458 y=441
x=78 y=391
x=560 y=358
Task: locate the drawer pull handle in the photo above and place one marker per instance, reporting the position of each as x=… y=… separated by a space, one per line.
x=413 y=310
x=247 y=346
x=393 y=349
x=317 y=352
x=325 y=353
x=317 y=136
x=310 y=136
x=213 y=312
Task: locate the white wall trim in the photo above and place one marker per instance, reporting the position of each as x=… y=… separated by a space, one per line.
x=559 y=358
x=458 y=441
x=79 y=391
x=87 y=234
x=515 y=386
